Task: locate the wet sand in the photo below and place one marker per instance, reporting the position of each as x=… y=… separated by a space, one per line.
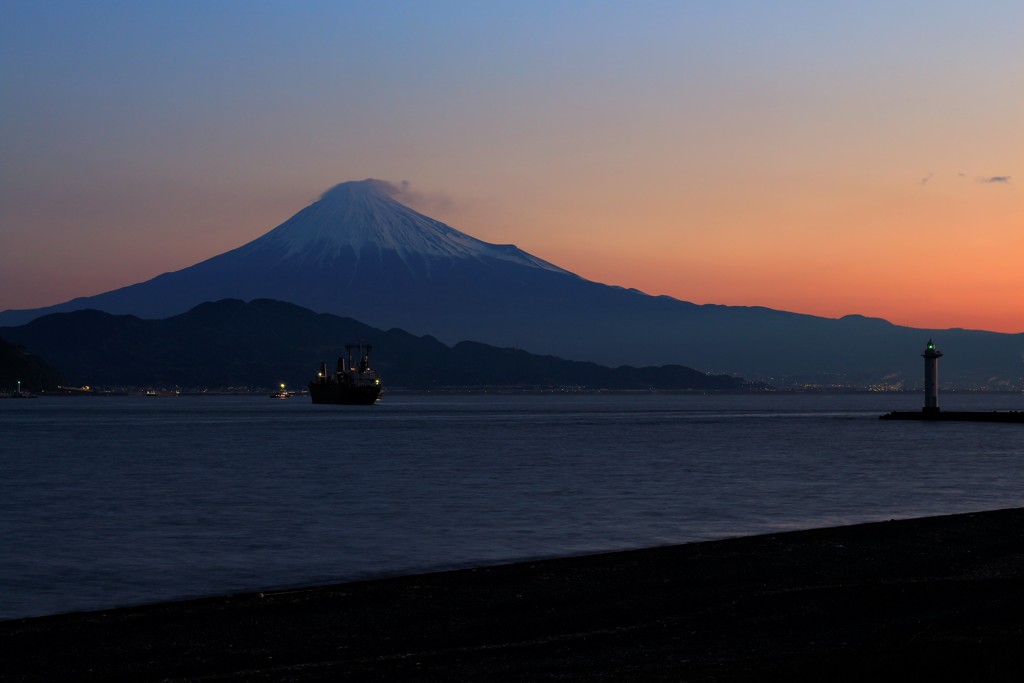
x=939 y=598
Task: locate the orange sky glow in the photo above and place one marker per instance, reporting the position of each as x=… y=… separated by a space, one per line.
x=801 y=157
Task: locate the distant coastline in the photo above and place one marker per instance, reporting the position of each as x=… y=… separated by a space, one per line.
x=101 y=391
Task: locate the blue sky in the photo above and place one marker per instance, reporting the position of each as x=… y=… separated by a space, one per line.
x=750 y=136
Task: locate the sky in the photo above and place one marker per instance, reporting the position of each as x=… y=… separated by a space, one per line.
x=825 y=158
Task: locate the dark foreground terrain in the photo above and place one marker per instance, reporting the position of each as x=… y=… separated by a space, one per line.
x=927 y=599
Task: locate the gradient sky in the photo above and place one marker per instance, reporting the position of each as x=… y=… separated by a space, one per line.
x=824 y=158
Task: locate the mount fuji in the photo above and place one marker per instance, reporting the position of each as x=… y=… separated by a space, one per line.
x=360 y=253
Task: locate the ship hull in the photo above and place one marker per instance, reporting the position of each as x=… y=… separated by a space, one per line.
x=342 y=394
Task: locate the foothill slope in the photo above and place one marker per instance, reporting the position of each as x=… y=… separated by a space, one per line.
x=358 y=252
x=261 y=343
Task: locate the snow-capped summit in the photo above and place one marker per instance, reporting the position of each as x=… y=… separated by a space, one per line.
x=359 y=215
x=356 y=251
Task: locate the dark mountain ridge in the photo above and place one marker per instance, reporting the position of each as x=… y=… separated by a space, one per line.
x=263 y=342
x=359 y=253
x=18 y=365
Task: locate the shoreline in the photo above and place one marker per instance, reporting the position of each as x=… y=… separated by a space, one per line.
x=937 y=597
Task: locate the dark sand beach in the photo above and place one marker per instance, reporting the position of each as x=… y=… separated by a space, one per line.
x=938 y=598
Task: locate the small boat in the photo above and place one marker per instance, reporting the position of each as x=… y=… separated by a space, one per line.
x=154 y=392
x=282 y=393
x=353 y=383
x=76 y=391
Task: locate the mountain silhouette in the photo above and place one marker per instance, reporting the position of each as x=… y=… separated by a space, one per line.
x=356 y=251
x=263 y=342
x=18 y=365
x=360 y=253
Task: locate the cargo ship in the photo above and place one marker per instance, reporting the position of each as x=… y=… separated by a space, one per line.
x=353 y=383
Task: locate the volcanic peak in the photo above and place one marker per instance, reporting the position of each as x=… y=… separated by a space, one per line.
x=364 y=214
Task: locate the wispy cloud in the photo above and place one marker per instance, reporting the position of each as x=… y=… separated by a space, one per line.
x=434 y=201
x=995 y=179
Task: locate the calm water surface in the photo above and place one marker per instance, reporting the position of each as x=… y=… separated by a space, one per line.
x=113 y=501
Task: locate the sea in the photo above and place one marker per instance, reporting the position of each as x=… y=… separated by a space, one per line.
x=114 y=501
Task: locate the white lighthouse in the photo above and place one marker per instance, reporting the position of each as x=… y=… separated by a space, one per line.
x=931 y=357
